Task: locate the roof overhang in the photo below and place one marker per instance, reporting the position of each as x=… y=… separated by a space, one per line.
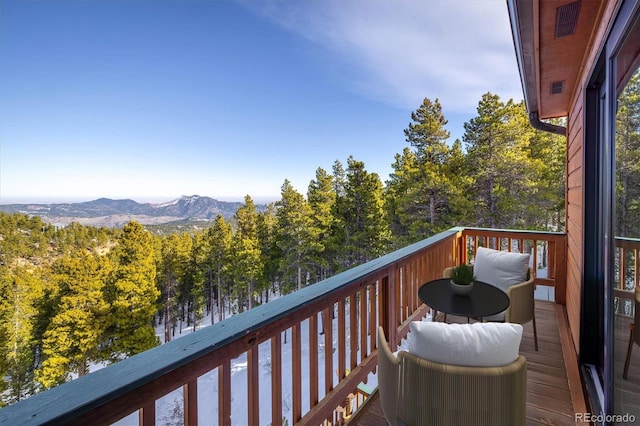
x=551 y=40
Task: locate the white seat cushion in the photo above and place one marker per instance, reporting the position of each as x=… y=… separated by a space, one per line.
x=500 y=268
x=477 y=344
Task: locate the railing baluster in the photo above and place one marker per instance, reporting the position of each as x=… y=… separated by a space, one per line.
x=637 y=267
x=551 y=259
x=313 y=360
x=190 y=397
x=253 y=385
x=147 y=414
x=623 y=268
x=276 y=379
x=296 y=360
x=405 y=276
x=390 y=314
x=342 y=341
x=224 y=393
x=328 y=349
x=419 y=278
x=373 y=313
x=353 y=331
x=363 y=324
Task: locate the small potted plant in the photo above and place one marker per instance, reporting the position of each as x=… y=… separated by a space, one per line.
x=462 y=279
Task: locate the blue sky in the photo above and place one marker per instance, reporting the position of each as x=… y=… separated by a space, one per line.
x=153 y=99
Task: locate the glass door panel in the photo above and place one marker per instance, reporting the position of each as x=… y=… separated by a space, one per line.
x=626 y=264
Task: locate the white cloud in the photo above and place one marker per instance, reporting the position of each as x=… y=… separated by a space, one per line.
x=402 y=51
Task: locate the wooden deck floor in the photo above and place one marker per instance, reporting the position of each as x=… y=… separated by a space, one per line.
x=550 y=385
x=627 y=391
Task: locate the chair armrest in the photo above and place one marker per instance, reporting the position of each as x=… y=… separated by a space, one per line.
x=447 y=272
x=521 y=306
x=388 y=383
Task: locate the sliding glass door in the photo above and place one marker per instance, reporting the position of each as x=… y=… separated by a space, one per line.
x=612 y=223
x=626 y=221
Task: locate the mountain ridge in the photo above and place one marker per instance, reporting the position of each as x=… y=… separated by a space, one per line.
x=117 y=212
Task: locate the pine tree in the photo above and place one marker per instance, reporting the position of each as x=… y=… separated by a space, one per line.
x=246 y=256
x=497 y=140
x=132 y=294
x=459 y=205
x=545 y=205
x=322 y=199
x=400 y=209
x=171 y=276
x=364 y=231
x=20 y=289
x=296 y=238
x=269 y=251
x=428 y=136
x=71 y=342
x=194 y=281
x=334 y=245
x=423 y=194
x=219 y=238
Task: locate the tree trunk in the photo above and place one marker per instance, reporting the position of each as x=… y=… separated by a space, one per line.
x=167 y=329
x=220 y=303
x=432 y=209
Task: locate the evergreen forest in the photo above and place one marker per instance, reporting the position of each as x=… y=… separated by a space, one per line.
x=82 y=296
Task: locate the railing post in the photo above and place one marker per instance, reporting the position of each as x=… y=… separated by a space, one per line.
x=389 y=322
x=560 y=254
x=460 y=243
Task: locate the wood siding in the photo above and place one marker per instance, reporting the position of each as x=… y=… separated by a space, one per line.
x=574 y=219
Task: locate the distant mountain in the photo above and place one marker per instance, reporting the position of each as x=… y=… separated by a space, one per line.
x=115 y=213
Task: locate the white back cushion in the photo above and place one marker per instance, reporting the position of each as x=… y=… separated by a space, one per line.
x=478 y=344
x=500 y=268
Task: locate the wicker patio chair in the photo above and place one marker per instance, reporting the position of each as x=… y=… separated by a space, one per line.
x=521 y=308
x=415 y=391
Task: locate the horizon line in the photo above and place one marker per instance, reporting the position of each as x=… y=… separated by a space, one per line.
x=66 y=199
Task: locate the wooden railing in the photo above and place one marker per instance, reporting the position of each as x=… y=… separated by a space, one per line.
x=336 y=319
x=626 y=275
x=547 y=250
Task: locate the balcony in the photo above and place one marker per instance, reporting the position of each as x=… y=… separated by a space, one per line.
x=320 y=344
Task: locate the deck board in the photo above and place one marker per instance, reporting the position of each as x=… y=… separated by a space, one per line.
x=627 y=390
x=548 y=389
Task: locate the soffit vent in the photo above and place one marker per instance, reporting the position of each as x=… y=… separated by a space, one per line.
x=557 y=87
x=567 y=19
